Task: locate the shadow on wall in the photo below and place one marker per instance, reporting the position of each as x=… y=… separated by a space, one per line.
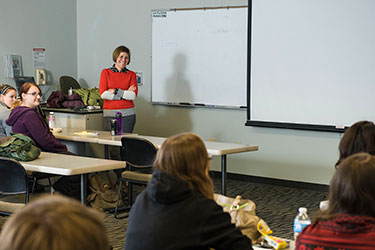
x=161 y=120
x=165 y=120
x=84 y=84
x=177 y=88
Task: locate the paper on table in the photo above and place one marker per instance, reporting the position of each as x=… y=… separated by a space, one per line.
x=95 y=133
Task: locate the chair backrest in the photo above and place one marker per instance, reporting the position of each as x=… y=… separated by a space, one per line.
x=20 y=80
x=13 y=177
x=66 y=82
x=138 y=152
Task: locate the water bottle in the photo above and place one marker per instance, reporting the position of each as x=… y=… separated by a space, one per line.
x=51 y=120
x=301 y=221
x=119 y=123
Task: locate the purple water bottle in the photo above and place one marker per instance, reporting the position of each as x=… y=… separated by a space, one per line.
x=119 y=123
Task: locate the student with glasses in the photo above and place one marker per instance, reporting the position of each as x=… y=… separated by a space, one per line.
x=8 y=96
x=25 y=119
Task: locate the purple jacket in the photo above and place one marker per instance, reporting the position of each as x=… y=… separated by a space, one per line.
x=29 y=122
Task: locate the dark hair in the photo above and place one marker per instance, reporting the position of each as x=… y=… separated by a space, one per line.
x=352 y=188
x=25 y=87
x=360 y=137
x=118 y=50
x=4 y=88
x=184 y=156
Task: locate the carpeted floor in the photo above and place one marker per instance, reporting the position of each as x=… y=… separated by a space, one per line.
x=277 y=205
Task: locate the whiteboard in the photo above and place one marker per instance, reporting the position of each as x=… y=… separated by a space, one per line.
x=312 y=62
x=199 y=57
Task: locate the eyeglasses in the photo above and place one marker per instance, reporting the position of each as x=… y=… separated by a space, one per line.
x=34 y=94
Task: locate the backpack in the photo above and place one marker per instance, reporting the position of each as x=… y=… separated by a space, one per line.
x=19 y=147
x=72 y=101
x=242 y=213
x=55 y=99
x=104 y=190
x=90 y=96
x=58 y=100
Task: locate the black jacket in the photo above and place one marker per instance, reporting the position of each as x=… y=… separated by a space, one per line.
x=168 y=216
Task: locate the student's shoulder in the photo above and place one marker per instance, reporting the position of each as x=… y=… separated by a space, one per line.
x=131 y=73
x=106 y=71
x=208 y=204
x=4 y=112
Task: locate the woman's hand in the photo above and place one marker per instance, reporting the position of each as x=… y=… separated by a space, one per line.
x=132 y=88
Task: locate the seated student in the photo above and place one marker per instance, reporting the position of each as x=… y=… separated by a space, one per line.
x=54 y=222
x=8 y=96
x=349 y=220
x=360 y=137
x=177 y=210
x=25 y=119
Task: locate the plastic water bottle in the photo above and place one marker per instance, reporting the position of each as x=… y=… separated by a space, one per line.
x=51 y=120
x=119 y=123
x=301 y=221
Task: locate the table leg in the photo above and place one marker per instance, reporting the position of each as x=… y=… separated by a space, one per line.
x=224 y=174
x=83 y=188
x=106 y=151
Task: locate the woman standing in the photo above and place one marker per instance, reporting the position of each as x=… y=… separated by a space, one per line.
x=118 y=88
x=177 y=210
x=25 y=119
x=8 y=96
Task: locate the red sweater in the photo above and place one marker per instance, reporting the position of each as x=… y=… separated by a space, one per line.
x=119 y=80
x=344 y=232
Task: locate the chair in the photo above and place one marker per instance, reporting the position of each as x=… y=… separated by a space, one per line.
x=139 y=155
x=13 y=181
x=66 y=82
x=20 y=80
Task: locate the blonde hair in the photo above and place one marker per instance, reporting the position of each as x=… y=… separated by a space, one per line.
x=54 y=222
x=18 y=102
x=184 y=156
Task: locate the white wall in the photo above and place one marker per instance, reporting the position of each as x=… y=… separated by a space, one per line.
x=49 y=24
x=284 y=154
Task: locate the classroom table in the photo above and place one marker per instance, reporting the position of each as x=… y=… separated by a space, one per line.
x=63 y=164
x=291 y=247
x=213 y=148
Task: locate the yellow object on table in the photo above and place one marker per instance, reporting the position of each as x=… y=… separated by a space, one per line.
x=276 y=242
x=95 y=133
